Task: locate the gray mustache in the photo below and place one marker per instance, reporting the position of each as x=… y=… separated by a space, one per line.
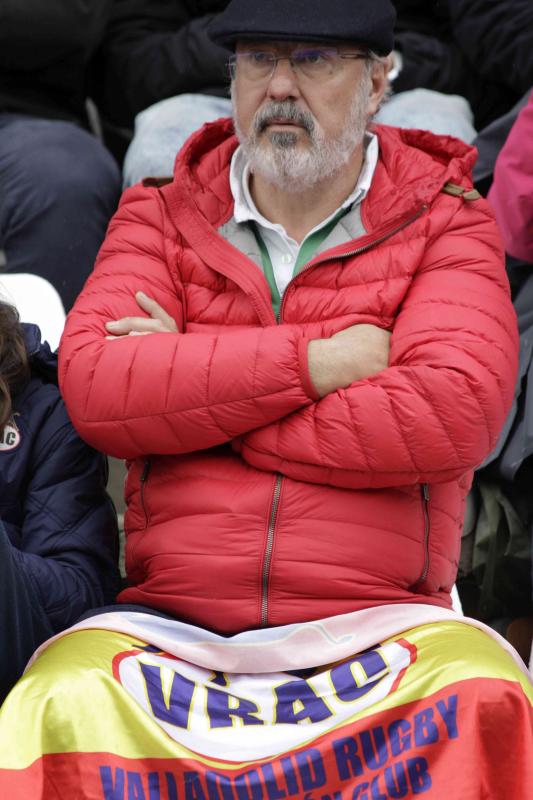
x=287 y=111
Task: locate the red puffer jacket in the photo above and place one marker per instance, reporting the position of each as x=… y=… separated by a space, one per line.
x=250 y=501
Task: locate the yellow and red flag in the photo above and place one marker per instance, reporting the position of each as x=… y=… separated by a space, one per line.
x=133 y=707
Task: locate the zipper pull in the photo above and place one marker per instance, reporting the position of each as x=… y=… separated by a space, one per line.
x=143 y=479
x=425 y=492
x=146 y=470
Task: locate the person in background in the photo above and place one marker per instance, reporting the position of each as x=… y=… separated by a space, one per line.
x=58 y=537
x=58 y=184
x=478 y=50
x=511 y=193
x=511 y=198
x=157 y=69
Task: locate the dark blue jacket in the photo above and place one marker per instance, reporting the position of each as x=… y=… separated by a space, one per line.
x=58 y=537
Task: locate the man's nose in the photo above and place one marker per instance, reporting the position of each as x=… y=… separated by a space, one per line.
x=283 y=82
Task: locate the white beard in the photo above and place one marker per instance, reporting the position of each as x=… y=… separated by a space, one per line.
x=277 y=157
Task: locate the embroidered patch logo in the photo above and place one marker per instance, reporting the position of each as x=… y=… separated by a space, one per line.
x=10 y=436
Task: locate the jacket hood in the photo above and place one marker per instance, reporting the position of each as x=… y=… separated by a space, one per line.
x=414 y=165
x=42 y=361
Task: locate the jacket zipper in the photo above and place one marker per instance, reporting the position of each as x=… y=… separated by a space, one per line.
x=279 y=478
x=424 y=490
x=143 y=480
x=363 y=249
x=268 y=549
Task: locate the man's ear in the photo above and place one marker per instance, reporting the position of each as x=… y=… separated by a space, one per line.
x=380 y=84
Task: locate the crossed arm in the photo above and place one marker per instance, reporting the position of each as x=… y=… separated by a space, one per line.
x=352 y=354
x=376 y=423
x=436 y=410
x=343 y=411
x=168 y=393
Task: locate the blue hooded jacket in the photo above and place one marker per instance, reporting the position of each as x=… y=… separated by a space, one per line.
x=58 y=532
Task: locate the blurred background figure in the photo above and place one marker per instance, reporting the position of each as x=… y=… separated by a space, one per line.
x=511 y=193
x=495 y=577
x=480 y=50
x=477 y=56
x=58 y=184
x=154 y=50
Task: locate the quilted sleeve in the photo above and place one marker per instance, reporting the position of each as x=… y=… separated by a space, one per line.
x=166 y=393
x=437 y=410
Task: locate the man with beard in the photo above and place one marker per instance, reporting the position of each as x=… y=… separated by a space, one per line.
x=329 y=349
x=332 y=348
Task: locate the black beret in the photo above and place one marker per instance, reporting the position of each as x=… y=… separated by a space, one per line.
x=367 y=22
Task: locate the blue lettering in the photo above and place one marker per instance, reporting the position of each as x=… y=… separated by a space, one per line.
x=135 y=786
x=222 y=715
x=172 y=789
x=449 y=715
x=154 y=792
x=358 y=792
x=348 y=762
x=179 y=705
x=249 y=786
x=396 y=781
x=193 y=787
x=344 y=681
x=289 y=774
x=418 y=775
x=218 y=786
x=399 y=744
x=375 y=791
x=112 y=789
x=311 y=768
x=220 y=679
x=313 y=708
x=274 y=791
x=374 y=746
x=426 y=732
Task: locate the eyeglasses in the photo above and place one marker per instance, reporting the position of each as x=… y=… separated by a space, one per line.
x=316 y=64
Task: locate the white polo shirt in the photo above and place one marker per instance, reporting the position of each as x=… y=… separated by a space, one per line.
x=282 y=248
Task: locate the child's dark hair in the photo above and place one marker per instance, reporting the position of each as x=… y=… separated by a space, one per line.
x=13 y=359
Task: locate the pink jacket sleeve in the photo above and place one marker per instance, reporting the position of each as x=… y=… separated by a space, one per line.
x=166 y=393
x=437 y=410
x=511 y=194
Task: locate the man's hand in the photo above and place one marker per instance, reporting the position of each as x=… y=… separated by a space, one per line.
x=158 y=321
x=350 y=355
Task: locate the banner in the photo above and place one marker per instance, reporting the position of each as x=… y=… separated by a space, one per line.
x=439 y=711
